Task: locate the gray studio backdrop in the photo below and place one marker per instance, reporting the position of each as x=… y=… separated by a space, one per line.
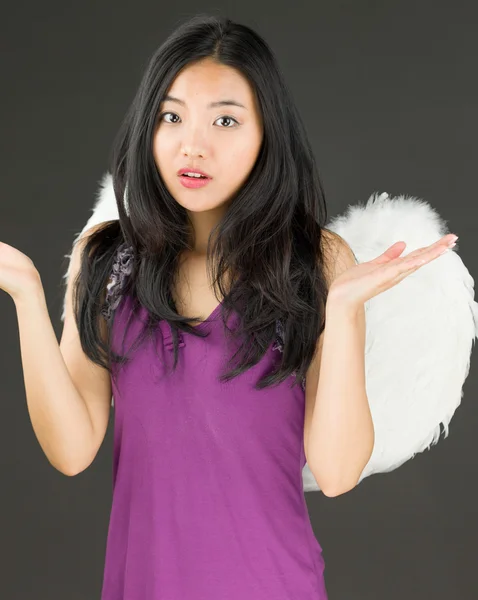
x=388 y=92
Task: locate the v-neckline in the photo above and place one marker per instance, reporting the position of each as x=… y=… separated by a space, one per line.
x=209 y=318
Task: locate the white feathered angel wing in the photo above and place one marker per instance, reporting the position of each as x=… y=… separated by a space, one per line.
x=104 y=209
x=419 y=334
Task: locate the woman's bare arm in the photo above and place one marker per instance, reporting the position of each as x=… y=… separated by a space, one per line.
x=68 y=396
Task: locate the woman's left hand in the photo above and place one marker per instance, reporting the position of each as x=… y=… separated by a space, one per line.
x=365 y=280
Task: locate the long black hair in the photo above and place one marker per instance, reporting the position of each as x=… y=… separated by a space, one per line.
x=271 y=237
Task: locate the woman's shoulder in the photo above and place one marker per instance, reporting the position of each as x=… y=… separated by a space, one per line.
x=337 y=255
x=334 y=240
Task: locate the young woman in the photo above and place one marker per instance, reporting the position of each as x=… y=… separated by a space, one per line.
x=207 y=309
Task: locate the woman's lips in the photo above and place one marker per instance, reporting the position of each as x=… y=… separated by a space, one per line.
x=194 y=182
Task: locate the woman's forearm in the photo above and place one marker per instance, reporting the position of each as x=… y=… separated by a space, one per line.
x=58 y=413
x=341 y=433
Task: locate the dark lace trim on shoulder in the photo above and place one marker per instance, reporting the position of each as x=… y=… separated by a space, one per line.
x=122 y=266
x=279 y=345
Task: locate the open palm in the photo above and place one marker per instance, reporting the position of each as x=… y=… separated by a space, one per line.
x=17 y=271
x=361 y=282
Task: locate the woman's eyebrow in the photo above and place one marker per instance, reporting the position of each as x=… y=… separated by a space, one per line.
x=210 y=105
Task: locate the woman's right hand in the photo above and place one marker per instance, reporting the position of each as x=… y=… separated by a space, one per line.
x=18 y=274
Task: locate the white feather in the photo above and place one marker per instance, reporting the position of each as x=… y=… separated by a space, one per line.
x=104 y=209
x=419 y=333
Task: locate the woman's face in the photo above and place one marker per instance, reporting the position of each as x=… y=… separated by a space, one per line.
x=222 y=140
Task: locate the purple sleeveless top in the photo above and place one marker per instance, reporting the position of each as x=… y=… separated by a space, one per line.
x=208 y=500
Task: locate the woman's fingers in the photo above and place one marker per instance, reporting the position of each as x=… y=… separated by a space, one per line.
x=390 y=255
x=416 y=259
x=432 y=251
x=423 y=255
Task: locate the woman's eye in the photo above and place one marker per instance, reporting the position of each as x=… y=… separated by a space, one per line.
x=229 y=119
x=164 y=114
x=225 y=117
